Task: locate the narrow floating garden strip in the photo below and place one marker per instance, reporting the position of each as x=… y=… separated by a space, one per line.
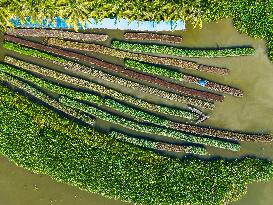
x=152 y=37
x=226 y=134
x=98 y=88
x=158 y=145
x=57 y=33
x=117 y=80
x=51 y=148
x=136 y=56
x=177 y=75
x=150 y=129
x=183 y=52
x=41 y=96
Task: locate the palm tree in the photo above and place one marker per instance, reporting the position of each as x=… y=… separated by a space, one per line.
x=74 y=10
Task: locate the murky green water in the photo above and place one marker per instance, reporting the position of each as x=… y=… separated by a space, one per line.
x=253 y=112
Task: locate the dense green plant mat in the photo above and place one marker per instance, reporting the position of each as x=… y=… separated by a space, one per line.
x=183 y=52
x=38 y=139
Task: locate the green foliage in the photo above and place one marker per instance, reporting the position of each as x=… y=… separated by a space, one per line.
x=45 y=98
x=183 y=52
x=31 y=52
x=36 y=138
x=155 y=70
x=50 y=86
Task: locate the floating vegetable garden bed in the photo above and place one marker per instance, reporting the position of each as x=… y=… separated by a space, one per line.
x=113 y=79
x=57 y=33
x=153 y=37
x=182 y=52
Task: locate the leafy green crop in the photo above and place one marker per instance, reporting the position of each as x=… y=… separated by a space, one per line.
x=183 y=52
x=155 y=70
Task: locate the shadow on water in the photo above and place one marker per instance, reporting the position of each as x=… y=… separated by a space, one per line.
x=252 y=113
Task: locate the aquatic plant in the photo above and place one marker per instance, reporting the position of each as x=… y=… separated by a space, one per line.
x=184 y=114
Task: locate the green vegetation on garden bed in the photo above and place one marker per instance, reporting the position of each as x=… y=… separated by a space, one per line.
x=154 y=70
x=182 y=52
x=38 y=139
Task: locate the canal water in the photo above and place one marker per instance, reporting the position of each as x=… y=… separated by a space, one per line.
x=253 y=112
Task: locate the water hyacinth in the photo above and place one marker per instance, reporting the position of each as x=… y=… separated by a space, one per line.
x=183 y=52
